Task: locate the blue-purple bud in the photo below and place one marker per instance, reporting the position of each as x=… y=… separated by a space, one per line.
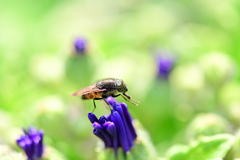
x=165 y=63
x=80 y=46
x=102 y=120
x=92 y=117
x=115 y=130
x=128 y=120
x=32 y=143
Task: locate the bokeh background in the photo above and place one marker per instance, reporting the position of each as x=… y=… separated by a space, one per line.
x=40 y=68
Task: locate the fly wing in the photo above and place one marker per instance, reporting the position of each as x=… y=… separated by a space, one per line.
x=87 y=90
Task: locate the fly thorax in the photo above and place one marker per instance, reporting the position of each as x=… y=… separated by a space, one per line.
x=99 y=84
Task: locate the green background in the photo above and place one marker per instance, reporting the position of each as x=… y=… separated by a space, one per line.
x=39 y=69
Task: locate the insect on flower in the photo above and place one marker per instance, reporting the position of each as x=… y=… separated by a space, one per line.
x=105 y=88
x=115 y=130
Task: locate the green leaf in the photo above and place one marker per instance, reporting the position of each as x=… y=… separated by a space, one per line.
x=204 y=148
x=177 y=152
x=142 y=150
x=234 y=153
x=207 y=124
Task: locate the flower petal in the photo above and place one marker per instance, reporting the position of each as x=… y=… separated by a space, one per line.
x=92 y=117
x=128 y=119
x=102 y=120
x=28 y=147
x=32 y=131
x=117 y=120
x=128 y=133
x=112 y=102
x=40 y=146
x=106 y=135
x=100 y=135
x=111 y=129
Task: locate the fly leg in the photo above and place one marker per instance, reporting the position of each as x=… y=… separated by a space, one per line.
x=116 y=95
x=129 y=99
x=107 y=103
x=95 y=103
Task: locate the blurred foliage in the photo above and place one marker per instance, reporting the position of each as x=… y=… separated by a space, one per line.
x=39 y=68
x=7 y=154
x=213 y=147
x=49 y=154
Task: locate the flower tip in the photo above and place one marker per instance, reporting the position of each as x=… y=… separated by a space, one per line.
x=41 y=132
x=123 y=104
x=32 y=131
x=107 y=124
x=102 y=120
x=92 y=117
x=21 y=142
x=36 y=139
x=96 y=125
x=111 y=128
x=80 y=45
x=95 y=131
x=90 y=114
x=165 y=63
x=110 y=100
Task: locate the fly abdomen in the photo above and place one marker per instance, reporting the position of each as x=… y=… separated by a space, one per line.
x=92 y=95
x=87 y=96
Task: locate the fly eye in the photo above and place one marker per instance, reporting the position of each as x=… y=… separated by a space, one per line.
x=118 y=82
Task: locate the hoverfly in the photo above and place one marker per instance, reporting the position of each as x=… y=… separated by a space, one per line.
x=103 y=89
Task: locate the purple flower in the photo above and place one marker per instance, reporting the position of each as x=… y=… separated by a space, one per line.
x=165 y=63
x=80 y=45
x=115 y=130
x=32 y=143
